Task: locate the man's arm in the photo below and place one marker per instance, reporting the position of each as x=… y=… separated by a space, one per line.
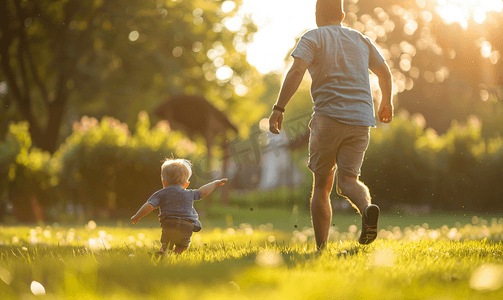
x=144 y=210
x=209 y=187
x=383 y=73
x=290 y=85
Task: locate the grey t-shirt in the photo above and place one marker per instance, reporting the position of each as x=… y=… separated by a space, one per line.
x=175 y=201
x=339 y=60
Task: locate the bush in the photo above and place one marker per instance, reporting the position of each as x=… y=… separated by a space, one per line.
x=459 y=170
x=468 y=170
x=393 y=169
x=108 y=170
x=27 y=174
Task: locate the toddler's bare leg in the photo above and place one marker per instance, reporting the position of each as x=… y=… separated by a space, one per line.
x=164 y=247
x=180 y=249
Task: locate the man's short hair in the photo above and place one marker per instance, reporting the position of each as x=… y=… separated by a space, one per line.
x=330 y=10
x=176 y=171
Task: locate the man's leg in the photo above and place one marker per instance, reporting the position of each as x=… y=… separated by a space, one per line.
x=353 y=189
x=321 y=209
x=358 y=194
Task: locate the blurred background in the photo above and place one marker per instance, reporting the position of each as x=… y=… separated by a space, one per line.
x=95 y=94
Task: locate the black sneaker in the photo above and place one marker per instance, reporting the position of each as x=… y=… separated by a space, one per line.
x=370 y=218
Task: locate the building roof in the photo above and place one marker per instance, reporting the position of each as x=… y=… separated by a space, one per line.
x=194 y=115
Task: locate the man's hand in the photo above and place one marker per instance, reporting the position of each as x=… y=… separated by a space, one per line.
x=275 y=121
x=385 y=113
x=134 y=220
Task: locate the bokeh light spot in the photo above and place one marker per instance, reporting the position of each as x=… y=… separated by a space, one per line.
x=228 y=6
x=37 y=288
x=177 y=51
x=134 y=35
x=224 y=73
x=488 y=277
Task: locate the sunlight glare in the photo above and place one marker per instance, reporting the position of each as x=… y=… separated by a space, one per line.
x=37 y=288
x=384 y=258
x=486 y=48
x=487 y=277
x=460 y=11
x=228 y=6
x=269 y=259
x=224 y=73
x=233 y=24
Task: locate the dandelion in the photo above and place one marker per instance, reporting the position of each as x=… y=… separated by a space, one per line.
x=37 y=288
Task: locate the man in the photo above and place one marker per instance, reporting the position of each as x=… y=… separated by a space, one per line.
x=338 y=60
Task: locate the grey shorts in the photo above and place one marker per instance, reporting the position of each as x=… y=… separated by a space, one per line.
x=336 y=146
x=176 y=232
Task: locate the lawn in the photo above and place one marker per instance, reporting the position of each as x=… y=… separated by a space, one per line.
x=259 y=254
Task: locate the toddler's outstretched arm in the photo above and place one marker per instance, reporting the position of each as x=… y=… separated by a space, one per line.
x=144 y=210
x=209 y=187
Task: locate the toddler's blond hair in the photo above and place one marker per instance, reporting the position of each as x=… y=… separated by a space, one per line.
x=176 y=171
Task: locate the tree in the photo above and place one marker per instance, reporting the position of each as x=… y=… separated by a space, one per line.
x=61 y=59
x=447 y=69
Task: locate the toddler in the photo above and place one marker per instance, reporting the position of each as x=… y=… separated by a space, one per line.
x=177 y=215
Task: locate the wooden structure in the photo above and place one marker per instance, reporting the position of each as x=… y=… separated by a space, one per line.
x=196 y=116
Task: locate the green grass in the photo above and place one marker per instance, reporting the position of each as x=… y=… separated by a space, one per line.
x=419 y=258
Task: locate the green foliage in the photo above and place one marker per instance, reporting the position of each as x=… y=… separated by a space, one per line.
x=392 y=168
x=117 y=58
x=27 y=173
x=105 y=167
x=456 y=171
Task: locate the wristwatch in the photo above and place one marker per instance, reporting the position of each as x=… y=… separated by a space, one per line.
x=281 y=109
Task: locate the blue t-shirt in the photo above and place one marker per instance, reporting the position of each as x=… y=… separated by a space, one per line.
x=175 y=201
x=339 y=60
